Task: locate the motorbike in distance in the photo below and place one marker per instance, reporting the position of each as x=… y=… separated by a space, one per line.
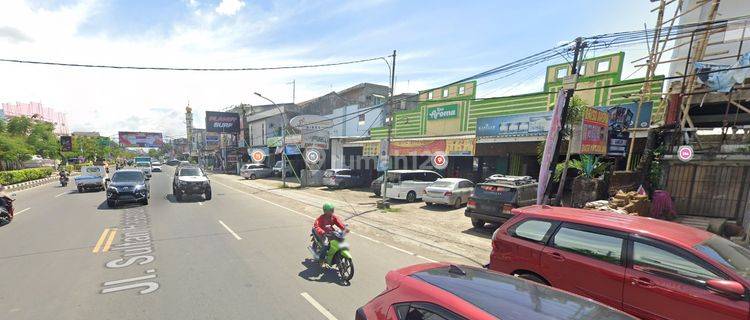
x=63 y=179
x=337 y=255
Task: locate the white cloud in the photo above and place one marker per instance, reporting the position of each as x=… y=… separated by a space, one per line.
x=229 y=7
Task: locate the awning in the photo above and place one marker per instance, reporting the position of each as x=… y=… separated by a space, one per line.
x=458 y=145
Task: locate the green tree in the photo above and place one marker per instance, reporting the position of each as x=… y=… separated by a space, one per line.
x=43 y=141
x=19 y=126
x=13 y=151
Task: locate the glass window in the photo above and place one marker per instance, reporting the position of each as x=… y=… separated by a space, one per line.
x=727 y=253
x=122 y=176
x=190 y=172
x=534 y=230
x=362 y=119
x=443 y=184
x=445 y=93
x=660 y=261
x=562 y=72
x=594 y=245
x=429 y=95
x=461 y=90
x=602 y=66
x=465 y=184
x=421 y=314
x=582 y=69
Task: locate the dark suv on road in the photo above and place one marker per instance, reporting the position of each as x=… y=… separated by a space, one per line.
x=190 y=180
x=493 y=199
x=129 y=185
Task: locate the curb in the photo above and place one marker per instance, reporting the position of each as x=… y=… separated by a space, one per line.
x=30 y=184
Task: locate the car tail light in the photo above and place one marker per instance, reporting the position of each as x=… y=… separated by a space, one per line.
x=448 y=193
x=507 y=208
x=472 y=204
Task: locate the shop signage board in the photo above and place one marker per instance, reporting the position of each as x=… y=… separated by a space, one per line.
x=227 y=122
x=416 y=147
x=371 y=149
x=459 y=147
x=308 y=122
x=624 y=114
x=273 y=141
x=617 y=146
x=517 y=125
x=317 y=140
x=591 y=136
x=442 y=112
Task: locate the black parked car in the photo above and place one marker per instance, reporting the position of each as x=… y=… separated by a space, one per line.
x=190 y=180
x=128 y=185
x=493 y=199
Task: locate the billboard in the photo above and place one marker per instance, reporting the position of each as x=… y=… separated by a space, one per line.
x=624 y=115
x=140 y=139
x=518 y=125
x=66 y=142
x=591 y=136
x=228 y=122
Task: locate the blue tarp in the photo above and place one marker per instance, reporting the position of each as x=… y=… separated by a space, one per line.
x=723 y=81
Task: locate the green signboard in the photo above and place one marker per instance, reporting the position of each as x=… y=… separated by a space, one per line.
x=442 y=112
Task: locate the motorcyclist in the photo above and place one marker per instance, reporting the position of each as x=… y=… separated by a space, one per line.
x=324 y=225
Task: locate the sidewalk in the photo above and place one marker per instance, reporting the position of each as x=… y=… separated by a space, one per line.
x=439 y=229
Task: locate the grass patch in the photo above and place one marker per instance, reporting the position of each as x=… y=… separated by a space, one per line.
x=391 y=210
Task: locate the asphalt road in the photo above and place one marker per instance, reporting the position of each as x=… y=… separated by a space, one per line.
x=234 y=257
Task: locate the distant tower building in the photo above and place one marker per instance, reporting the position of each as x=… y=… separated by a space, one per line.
x=189 y=127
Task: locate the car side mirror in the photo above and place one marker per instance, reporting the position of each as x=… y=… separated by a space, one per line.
x=732 y=288
x=147 y=178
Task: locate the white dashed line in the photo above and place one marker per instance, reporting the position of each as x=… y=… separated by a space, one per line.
x=230 y=230
x=20 y=212
x=318 y=306
x=64 y=193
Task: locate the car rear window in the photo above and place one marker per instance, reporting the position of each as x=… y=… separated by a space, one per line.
x=507 y=297
x=190 y=172
x=442 y=184
x=493 y=192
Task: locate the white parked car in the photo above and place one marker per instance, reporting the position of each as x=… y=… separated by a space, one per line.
x=449 y=191
x=409 y=185
x=91 y=178
x=255 y=170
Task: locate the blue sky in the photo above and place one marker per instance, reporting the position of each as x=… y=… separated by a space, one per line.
x=437 y=42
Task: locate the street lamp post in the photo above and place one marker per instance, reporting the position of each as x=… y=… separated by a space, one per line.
x=283 y=139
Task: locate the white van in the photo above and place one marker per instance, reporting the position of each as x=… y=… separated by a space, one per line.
x=409 y=185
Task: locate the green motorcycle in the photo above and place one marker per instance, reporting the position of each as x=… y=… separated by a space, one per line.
x=337 y=255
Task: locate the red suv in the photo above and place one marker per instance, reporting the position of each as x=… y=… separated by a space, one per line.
x=652 y=269
x=438 y=291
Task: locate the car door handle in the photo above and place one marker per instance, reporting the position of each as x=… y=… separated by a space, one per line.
x=642 y=282
x=556 y=256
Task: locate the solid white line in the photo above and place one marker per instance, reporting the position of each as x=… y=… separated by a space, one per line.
x=22 y=211
x=317 y=305
x=230 y=230
x=66 y=192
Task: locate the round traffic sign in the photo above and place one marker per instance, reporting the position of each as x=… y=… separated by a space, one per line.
x=685 y=153
x=312 y=156
x=257 y=155
x=439 y=161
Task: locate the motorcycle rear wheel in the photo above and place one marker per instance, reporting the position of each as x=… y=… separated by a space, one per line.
x=345 y=267
x=5 y=218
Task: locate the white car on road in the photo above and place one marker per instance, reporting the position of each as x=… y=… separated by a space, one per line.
x=91 y=178
x=145 y=167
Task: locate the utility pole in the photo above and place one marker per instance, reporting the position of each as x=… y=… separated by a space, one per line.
x=563 y=117
x=294 y=89
x=283 y=138
x=389 y=118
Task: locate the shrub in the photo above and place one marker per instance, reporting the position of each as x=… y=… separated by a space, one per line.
x=18 y=176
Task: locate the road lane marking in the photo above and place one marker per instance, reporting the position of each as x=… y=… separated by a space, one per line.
x=312 y=218
x=100 y=242
x=230 y=230
x=20 y=212
x=64 y=193
x=109 y=240
x=318 y=306
x=200 y=203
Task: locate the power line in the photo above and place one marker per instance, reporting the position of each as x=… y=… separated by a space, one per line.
x=104 y=66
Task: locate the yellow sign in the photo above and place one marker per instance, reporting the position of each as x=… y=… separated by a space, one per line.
x=371 y=149
x=459 y=147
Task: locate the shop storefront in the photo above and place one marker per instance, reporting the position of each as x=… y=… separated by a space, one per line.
x=416 y=153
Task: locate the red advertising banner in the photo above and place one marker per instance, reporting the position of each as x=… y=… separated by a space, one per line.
x=417 y=147
x=594 y=132
x=140 y=139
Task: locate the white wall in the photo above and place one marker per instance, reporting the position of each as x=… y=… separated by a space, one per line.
x=347 y=124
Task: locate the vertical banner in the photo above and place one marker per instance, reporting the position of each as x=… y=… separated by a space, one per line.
x=549 y=147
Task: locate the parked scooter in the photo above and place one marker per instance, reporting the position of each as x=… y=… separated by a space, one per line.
x=337 y=255
x=6 y=208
